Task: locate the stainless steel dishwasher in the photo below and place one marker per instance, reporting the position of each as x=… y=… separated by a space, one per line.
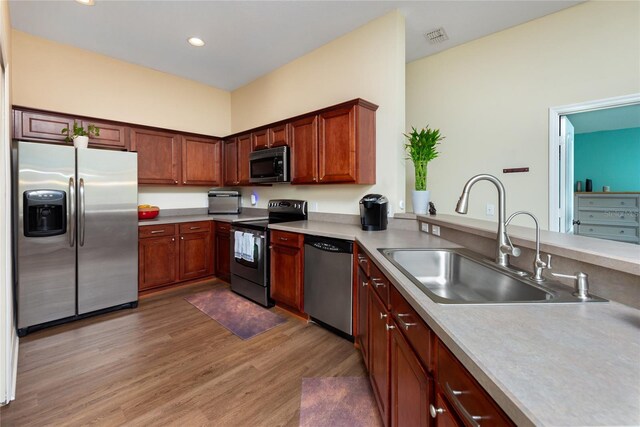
x=328 y=282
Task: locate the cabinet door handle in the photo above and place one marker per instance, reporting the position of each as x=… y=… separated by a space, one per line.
x=157 y=231
x=173 y=239
x=382 y=316
x=453 y=395
x=389 y=327
x=181 y=238
x=364 y=283
x=377 y=282
x=404 y=324
x=175 y=182
x=284 y=239
x=194 y=228
x=435 y=411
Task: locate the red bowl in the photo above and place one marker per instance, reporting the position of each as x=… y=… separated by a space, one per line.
x=147 y=214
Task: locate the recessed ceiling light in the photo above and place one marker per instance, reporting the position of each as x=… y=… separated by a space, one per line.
x=194 y=41
x=86 y=2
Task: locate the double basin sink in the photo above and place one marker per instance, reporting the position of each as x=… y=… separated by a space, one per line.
x=458 y=276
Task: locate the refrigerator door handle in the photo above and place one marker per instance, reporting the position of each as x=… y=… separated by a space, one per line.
x=72 y=212
x=82 y=210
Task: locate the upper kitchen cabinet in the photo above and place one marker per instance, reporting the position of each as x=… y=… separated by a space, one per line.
x=279 y=135
x=111 y=135
x=304 y=150
x=260 y=139
x=201 y=161
x=158 y=156
x=230 y=169
x=244 y=149
x=40 y=126
x=336 y=145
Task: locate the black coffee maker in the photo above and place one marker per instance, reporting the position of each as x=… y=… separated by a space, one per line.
x=373 y=212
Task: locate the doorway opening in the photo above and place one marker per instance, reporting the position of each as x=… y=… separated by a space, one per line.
x=594 y=147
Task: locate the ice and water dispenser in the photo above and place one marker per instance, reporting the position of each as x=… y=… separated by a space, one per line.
x=45 y=213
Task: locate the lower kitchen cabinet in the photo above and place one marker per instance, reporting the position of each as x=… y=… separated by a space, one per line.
x=379 y=326
x=173 y=253
x=222 y=249
x=287 y=270
x=415 y=379
x=410 y=385
x=157 y=257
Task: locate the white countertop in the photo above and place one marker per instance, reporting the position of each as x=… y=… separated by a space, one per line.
x=544 y=364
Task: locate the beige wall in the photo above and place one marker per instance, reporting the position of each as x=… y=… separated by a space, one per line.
x=48 y=74
x=8 y=337
x=490 y=97
x=367 y=63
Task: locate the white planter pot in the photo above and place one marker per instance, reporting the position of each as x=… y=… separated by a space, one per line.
x=81 y=141
x=420 y=201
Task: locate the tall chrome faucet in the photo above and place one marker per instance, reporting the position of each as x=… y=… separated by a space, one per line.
x=504 y=247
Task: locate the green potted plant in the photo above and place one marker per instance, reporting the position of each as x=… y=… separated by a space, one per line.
x=79 y=135
x=421 y=148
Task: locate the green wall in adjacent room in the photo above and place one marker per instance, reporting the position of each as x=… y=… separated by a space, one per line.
x=608 y=158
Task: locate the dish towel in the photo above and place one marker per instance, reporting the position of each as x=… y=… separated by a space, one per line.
x=238 y=237
x=247 y=247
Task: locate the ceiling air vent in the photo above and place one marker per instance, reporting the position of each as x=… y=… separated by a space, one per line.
x=436 y=36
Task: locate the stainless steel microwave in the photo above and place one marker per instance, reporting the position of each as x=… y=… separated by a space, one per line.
x=270 y=165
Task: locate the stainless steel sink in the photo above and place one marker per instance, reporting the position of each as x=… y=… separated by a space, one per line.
x=458 y=276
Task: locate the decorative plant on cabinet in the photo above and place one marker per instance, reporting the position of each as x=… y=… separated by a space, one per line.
x=79 y=135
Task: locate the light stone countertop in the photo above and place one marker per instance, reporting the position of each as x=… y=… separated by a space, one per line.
x=544 y=364
x=171 y=219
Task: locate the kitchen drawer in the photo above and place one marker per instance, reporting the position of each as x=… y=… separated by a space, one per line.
x=363 y=261
x=379 y=284
x=468 y=399
x=608 y=215
x=146 y=231
x=283 y=238
x=223 y=227
x=608 y=202
x=195 y=227
x=610 y=230
x=412 y=327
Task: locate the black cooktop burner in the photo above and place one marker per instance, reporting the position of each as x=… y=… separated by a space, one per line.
x=282 y=210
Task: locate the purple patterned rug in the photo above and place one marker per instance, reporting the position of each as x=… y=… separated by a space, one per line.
x=338 y=401
x=238 y=315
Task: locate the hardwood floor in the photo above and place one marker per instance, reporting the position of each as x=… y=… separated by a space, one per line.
x=167 y=363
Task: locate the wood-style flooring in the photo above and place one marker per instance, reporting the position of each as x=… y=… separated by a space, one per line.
x=167 y=363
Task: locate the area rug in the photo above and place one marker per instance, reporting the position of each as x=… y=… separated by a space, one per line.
x=338 y=401
x=238 y=315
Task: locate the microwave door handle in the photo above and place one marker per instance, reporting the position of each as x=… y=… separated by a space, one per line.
x=275 y=165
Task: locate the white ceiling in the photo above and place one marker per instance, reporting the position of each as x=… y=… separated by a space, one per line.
x=247 y=39
x=608 y=119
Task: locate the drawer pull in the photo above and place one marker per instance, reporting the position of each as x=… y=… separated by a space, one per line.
x=389 y=327
x=435 y=411
x=377 y=282
x=364 y=283
x=453 y=394
x=621 y=231
x=404 y=324
x=157 y=231
x=382 y=316
x=284 y=239
x=362 y=259
x=194 y=228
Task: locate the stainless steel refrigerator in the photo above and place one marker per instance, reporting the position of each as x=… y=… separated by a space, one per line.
x=75 y=232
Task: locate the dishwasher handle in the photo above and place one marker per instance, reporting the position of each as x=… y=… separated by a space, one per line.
x=329 y=245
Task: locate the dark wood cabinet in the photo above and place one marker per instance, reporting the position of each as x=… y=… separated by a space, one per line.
x=40 y=126
x=158 y=156
x=287 y=270
x=222 y=249
x=173 y=253
x=244 y=149
x=379 y=326
x=196 y=246
x=111 y=135
x=410 y=385
x=260 y=139
x=230 y=170
x=304 y=150
x=362 y=337
x=201 y=161
x=444 y=415
x=337 y=146
x=279 y=135
x=157 y=257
